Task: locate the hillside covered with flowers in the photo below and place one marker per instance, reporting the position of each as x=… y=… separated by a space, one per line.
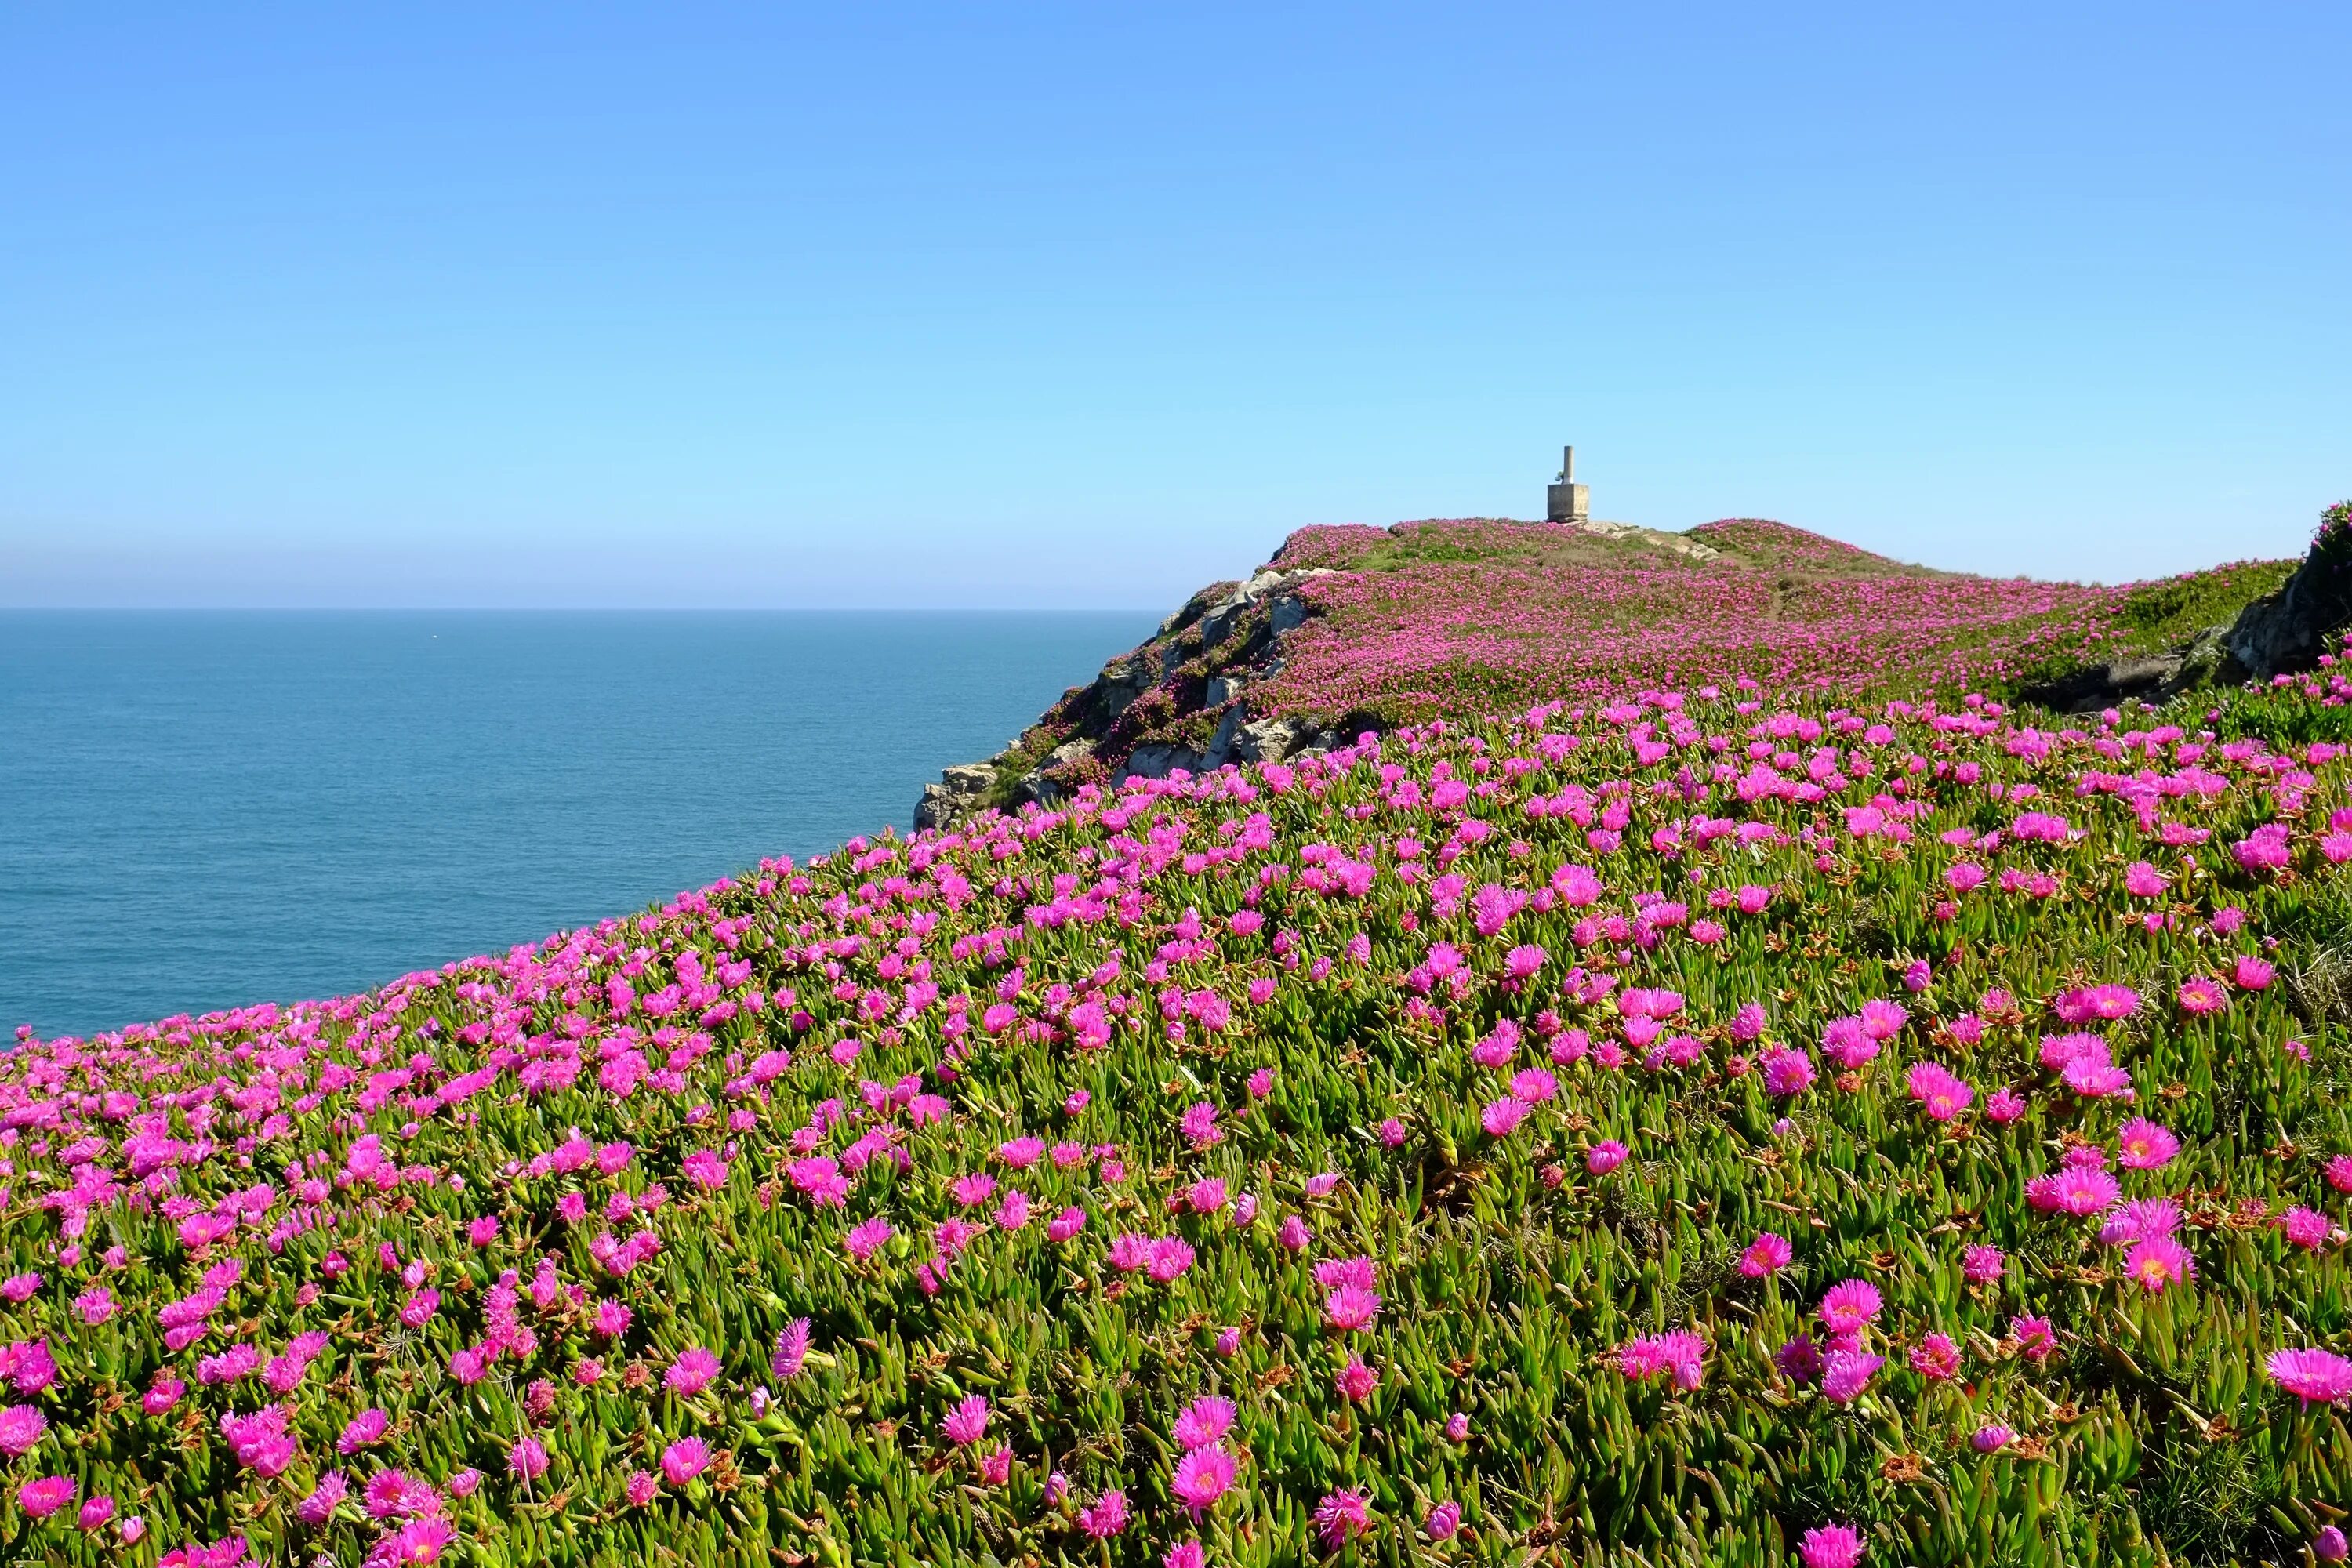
x=1354 y=628
x=1722 y=1121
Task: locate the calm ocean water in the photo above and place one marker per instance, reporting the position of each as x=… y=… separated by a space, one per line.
x=201 y=810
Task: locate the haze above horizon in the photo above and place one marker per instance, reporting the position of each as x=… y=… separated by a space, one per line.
x=922 y=307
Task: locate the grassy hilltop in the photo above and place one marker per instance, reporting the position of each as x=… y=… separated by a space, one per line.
x=1439 y=619
x=1714 y=1082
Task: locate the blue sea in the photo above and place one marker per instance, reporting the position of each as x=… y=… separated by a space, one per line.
x=207 y=809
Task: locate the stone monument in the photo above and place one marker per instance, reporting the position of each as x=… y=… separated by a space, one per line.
x=1565 y=501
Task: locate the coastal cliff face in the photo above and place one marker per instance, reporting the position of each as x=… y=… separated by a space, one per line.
x=1353 y=629
x=1177 y=701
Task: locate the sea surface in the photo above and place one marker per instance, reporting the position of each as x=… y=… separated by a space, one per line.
x=207 y=809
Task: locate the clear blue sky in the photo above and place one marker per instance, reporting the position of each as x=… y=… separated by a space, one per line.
x=1085 y=306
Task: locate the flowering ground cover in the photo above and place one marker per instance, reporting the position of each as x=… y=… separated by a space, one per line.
x=1424 y=617
x=1444 y=617
x=1689 y=1126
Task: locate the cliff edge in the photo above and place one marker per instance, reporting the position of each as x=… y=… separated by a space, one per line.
x=1350 y=627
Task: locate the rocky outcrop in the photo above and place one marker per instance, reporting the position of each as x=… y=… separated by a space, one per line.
x=2287 y=632
x=961 y=789
x=1680 y=544
x=1180 y=701
x=2282 y=634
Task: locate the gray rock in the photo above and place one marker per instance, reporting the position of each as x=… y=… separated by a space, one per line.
x=2286 y=633
x=968 y=778
x=1220 y=744
x=1126 y=679
x=959 y=792
x=1033 y=786
x=1157 y=762
x=2282 y=634
x=1269 y=740
x=1221 y=617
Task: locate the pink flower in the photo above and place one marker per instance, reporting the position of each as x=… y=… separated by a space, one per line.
x=1342 y=1516
x=644 y=1486
x=527 y=1459
x=2142 y=880
x=2158 y=1262
x=1849 y=1043
x=1202 y=1477
x=2253 y=973
x=1443 y=1520
x=2143 y=1145
x=1832 y=1546
x=1798 y=1359
x=1679 y=1352
x=691 y=1373
x=705 y=1168
x=1535 y=1085
x=259 y=1441
x=1502 y=1117
x=1935 y=1358
x=972 y=1190
x=43 y=1497
x=1990 y=1438
x=2313 y=1376
x=791 y=1350
x=1768 y=1253
x=1350 y=1307
x=1603 y=1158
x=1939 y=1091
x=365 y=1428
x=2199 y=996
x=866 y=1238
x=1203 y=1421
x=1787 y=1072
x=685 y=1459
x=2077 y=1190
x=1171 y=1256
x=968 y=1422
x=1107 y=1518
x=1849 y=1306
x=1356 y=1381
x=2308 y=1229
x=1845 y=1374
x=1982 y=1265
x=2004 y=1106
x=2036 y=1339
x=2330 y=1545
